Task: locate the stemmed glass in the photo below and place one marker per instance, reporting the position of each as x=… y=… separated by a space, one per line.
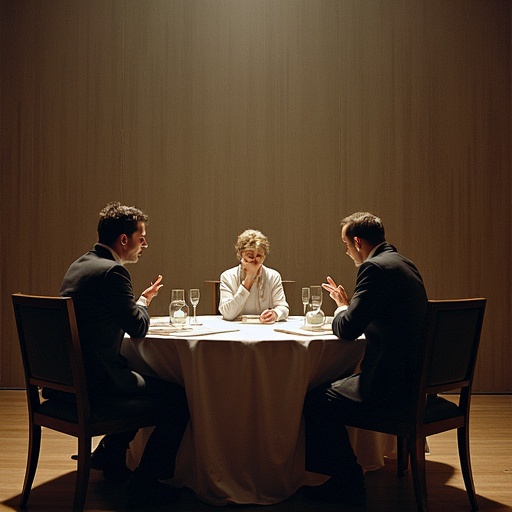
x=305 y=298
x=316 y=297
x=194 y=296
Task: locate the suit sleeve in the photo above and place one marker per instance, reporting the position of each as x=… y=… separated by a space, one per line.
x=120 y=300
x=368 y=295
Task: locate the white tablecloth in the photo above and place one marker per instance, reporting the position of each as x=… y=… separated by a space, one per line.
x=246 y=389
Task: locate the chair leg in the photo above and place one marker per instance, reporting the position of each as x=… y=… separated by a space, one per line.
x=82 y=475
x=34 y=447
x=417 y=455
x=465 y=464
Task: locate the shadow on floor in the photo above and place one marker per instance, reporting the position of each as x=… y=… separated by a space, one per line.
x=386 y=493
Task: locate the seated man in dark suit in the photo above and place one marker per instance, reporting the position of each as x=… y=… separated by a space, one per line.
x=388 y=306
x=106 y=309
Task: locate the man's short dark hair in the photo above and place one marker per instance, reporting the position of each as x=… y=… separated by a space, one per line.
x=117 y=219
x=366 y=226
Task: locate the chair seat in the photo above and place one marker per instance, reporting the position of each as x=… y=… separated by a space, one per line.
x=116 y=409
x=400 y=421
x=441 y=409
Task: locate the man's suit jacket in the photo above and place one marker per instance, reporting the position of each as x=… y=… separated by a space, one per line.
x=105 y=308
x=388 y=306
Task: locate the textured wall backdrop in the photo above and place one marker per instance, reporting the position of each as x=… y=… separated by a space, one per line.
x=281 y=115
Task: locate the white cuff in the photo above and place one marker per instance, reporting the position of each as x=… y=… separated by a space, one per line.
x=142 y=301
x=141 y=383
x=340 y=309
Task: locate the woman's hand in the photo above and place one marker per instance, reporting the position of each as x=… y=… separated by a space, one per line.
x=336 y=292
x=251 y=267
x=269 y=316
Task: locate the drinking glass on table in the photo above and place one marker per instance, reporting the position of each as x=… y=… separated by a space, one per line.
x=178 y=309
x=177 y=295
x=315 y=317
x=305 y=298
x=194 y=295
x=316 y=296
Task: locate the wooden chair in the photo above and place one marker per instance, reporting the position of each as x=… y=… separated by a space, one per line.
x=446 y=363
x=214 y=296
x=52 y=359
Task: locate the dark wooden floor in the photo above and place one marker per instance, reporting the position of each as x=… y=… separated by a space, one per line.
x=491 y=448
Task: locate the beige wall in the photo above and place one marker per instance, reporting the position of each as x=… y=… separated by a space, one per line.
x=282 y=115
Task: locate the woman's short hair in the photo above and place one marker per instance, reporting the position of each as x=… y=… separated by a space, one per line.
x=252 y=240
x=117 y=219
x=366 y=226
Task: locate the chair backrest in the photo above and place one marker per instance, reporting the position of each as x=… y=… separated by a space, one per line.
x=50 y=346
x=452 y=338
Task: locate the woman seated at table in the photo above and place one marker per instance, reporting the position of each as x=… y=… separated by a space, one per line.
x=251 y=288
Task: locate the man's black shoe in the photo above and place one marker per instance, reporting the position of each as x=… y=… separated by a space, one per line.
x=339 y=490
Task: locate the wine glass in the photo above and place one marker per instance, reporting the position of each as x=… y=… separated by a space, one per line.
x=316 y=296
x=194 y=295
x=305 y=298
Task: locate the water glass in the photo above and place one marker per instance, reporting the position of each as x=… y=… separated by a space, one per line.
x=316 y=296
x=178 y=309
